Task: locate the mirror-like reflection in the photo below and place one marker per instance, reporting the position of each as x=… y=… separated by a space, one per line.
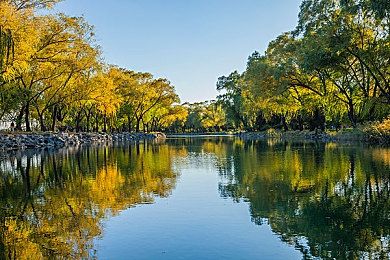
x=53 y=202
x=328 y=201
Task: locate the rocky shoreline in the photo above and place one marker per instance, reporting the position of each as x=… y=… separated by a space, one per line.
x=17 y=141
x=290 y=135
x=302 y=135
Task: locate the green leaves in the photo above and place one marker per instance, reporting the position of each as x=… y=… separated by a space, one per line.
x=335 y=61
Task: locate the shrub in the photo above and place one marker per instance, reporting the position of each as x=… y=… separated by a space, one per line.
x=378 y=132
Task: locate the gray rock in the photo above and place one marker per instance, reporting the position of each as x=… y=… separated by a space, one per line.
x=50 y=140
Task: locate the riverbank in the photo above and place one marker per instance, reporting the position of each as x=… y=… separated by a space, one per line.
x=15 y=141
x=372 y=133
x=353 y=135
x=333 y=136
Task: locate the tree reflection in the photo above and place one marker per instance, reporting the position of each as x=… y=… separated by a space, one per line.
x=329 y=201
x=53 y=203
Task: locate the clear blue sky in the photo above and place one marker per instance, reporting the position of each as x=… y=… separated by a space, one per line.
x=189 y=42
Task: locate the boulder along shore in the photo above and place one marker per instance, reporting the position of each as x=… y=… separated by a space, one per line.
x=16 y=141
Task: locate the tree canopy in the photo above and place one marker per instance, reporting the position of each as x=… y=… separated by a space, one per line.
x=53 y=77
x=331 y=70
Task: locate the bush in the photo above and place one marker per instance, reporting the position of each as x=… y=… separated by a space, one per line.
x=378 y=132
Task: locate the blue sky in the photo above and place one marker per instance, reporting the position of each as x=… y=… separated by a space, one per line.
x=189 y=42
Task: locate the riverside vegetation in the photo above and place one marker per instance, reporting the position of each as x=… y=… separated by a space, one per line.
x=329 y=72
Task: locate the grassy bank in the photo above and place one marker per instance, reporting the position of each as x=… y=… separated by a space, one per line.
x=374 y=133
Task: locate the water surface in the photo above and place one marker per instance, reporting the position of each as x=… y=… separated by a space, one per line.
x=197 y=198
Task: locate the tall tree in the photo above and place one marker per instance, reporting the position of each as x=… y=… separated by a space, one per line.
x=233 y=99
x=214 y=117
x=147 y=94
x=353 y=28
x=63 y=51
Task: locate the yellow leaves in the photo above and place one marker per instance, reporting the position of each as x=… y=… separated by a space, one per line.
x=144 y=97
x=21 y=29
x=214 y=116
x=104 y=94
x=107 y=186
x=108 y=179
x=53 y=60
x=8 y=16
x=74 y=190
x=17 y=240
x=48 y=51
x=14 y=231
x=178 y=114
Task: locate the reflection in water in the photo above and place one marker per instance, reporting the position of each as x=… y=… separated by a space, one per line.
x=53 y=202
x=329 y=201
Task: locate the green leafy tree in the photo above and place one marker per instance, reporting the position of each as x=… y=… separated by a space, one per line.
x=214 y=117
x=233 y=99
x=353 y=32
x=193 y=122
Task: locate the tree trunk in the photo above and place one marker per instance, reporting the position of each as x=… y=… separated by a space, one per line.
x=129 y=123
x=105 y=123
x=78 y=121
x=41 y=121
x=96 y=122
x=19 y=119
x=145 y=126
x=285 y=127
x=137 y=126
x=54 y=118
x=27 y=117
x=351 y=113
x=88 y=118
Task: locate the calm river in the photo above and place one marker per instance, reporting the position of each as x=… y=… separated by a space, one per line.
x=197 y=198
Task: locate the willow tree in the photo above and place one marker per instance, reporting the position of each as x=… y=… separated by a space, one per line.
x=273 y=99
x=214 y=117
x=6 y=50
x=17 y=37
x=11 y=9
x=142 y=93
x=75 y=59
x=164 y=113
x=195 y=111
x=233 y=98
x=126 y=82
x=63 y=50
x=352 y=30
x=172 y=118
x=105 y=97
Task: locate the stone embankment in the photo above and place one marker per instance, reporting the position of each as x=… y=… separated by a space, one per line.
x=11 y=141
x=298 y=135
